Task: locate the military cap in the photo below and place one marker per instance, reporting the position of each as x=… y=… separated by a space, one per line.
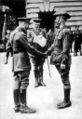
x=62 y=13
x=24 y=19
x=37 y=20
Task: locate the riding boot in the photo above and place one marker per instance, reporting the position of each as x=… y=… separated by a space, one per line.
x=66 y=103
x=24 y=108
x=16 y=94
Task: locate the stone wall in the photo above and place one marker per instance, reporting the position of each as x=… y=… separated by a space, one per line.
x=73 y=7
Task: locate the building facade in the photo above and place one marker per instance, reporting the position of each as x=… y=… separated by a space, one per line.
x=45 y=9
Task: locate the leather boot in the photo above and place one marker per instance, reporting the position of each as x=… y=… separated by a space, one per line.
x=24 y=108
x=16 y=94
x=66 y=103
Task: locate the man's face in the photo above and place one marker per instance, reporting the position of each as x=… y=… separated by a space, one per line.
x=36 y=26
x=58 y=21
x=26 y=25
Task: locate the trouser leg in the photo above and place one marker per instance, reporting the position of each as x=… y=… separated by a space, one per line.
x=23 y=97
x=36 y=74
x=7 y=55
x=36 y=71
x=16 y=93
x=41 y=76
x=80 y=49
x=66 y=102
x=67 y=87
x=75 y=49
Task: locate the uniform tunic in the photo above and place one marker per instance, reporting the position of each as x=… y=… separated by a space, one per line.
x=38 y=42
x=21 y=61
x=61 y=54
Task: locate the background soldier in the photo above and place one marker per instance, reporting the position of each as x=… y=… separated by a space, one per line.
x=21 y=65
x=8 y=47
x=77 y=41
x=71 y=40
x=38 y=42
x=60 y=56
x=6 y=38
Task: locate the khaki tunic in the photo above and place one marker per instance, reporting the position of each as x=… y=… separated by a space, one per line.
x=18 y=39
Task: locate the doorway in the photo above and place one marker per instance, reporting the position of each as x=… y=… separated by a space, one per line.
x=47 y=20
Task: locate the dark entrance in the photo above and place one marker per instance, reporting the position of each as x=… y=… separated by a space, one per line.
x=17 y=6
x=47 y=20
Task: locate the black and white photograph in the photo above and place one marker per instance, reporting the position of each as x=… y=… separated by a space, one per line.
x=40 y=59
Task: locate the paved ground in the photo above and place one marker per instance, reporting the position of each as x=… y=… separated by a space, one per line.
x=43 y=99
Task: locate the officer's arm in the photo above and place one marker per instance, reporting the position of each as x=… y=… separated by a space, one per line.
x=66 y=47
x=50 y=49
x=66 y=42
x=28 y=47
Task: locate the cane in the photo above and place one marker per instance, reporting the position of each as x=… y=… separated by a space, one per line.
x=49 y=68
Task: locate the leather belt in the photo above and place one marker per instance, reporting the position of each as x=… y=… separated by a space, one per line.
x=15 y=52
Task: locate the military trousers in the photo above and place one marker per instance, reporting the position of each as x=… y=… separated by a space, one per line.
x=21 y=79
x=64 y=73
x=38 y=63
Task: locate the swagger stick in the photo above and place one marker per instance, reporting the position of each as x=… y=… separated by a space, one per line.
x=49 y=68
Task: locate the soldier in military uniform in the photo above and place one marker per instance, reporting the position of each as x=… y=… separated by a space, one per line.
x=77 y=41
x=60 y=56
x=39 y=43
x=21 y=64
x=71 y=39
x=7 y=46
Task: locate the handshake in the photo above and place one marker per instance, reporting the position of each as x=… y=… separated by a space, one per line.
x=46 y=53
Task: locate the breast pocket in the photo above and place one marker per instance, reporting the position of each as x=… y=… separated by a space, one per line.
x=58 y=42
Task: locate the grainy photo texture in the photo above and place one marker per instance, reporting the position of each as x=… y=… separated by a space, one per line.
x=40 y=59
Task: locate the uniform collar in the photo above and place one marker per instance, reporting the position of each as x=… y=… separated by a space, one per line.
x=20 y=28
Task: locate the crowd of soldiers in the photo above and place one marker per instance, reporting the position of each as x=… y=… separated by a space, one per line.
x=29 y=41
x=76 y=40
